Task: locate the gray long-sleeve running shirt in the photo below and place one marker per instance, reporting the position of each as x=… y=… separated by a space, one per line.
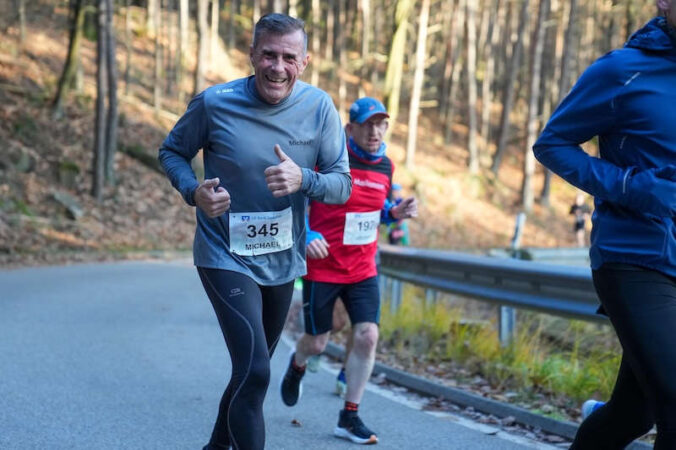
x=260 y=236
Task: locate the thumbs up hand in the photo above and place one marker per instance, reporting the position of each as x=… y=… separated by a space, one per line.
x=211 y=198
x=285 y=178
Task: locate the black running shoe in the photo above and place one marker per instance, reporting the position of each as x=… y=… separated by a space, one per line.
x=291 y=387
x=352 y=428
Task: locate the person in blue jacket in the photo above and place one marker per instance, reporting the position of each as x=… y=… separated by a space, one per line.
x=628 y=99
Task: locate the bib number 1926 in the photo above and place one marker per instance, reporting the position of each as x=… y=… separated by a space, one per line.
x=361 y=228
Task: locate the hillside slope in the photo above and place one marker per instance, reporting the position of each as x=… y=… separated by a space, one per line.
x=45 y=164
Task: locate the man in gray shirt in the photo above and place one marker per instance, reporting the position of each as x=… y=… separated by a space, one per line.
x=269 y=141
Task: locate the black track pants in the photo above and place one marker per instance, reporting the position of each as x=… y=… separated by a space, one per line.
x=641 y=305
x=251 y=318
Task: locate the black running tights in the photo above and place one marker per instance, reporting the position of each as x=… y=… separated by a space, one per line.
x=641 y=305
x=251 y=319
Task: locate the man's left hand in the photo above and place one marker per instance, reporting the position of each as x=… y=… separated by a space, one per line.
x=285 y=178
x=406 y=209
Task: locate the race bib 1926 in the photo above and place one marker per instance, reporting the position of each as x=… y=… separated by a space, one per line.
x=361 y=228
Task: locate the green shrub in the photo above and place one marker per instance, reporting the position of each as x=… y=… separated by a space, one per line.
x=531 y=362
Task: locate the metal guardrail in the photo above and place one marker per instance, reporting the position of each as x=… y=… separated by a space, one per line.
x=554 y=289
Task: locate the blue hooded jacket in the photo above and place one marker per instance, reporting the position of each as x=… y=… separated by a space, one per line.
x=628 y=99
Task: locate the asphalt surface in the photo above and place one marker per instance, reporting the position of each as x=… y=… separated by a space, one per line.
x=130 y=356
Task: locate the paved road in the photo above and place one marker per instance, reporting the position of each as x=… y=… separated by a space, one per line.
x=129 y=356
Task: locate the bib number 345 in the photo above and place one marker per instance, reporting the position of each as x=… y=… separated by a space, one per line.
x=258 y=233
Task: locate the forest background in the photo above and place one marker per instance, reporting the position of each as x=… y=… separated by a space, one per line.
x=89 y=88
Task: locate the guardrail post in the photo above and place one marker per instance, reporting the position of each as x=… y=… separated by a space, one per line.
x=507 y=317
x=382 y=286
x=506 y=324
x=430 y=297
x=395 y=296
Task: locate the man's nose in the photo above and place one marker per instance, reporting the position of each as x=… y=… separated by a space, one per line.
x=276 y=62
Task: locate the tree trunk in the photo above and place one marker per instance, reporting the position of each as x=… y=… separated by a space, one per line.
x=202 y=34
x=158 y=81
x=614 y=38
x=533 y=123
x=630 y=18
x=449 y=38
x=330 y=33
x=127 y=45
x=316 y=30
x=377 y=26
x=215 y=19
x=293 y=8
x=489 y=52
x=568 y=50
x=395 y=61
x=509 y=89
x=564 y=82
x=586 y=51
x=366 y=64
x=256 y=11
x=169 y=37
x=98 y=169
x=473 y=163
x=231 y=24
x=551 y=74
x=484 y=25
x=70 y=65
x=22 y=23
x=183 y=45
x=112 y=116
x=151 y=17
x=342 y=57
x=418 y=78
x=455 y=71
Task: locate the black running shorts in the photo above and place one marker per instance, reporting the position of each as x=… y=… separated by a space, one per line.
x=362 y=301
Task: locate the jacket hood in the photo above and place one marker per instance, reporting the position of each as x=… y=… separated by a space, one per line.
x=654 y=36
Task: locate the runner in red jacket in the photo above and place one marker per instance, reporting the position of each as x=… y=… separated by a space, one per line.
x=342 y=244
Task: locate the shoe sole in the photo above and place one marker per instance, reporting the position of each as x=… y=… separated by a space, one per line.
x=345 y=434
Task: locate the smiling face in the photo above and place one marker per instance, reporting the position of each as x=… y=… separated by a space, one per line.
x=278 y=61
x=369 y=134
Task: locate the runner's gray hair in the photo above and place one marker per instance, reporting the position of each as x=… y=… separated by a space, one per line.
x=280 y=24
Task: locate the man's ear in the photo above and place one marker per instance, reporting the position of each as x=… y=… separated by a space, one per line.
x=348 y=129
x=251 y=54
x=304 y=63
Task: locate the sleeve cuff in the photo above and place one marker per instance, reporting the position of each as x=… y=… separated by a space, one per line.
x=307 y=175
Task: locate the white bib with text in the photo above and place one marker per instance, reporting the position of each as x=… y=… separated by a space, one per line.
x=361 y=228
x=258 y=233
